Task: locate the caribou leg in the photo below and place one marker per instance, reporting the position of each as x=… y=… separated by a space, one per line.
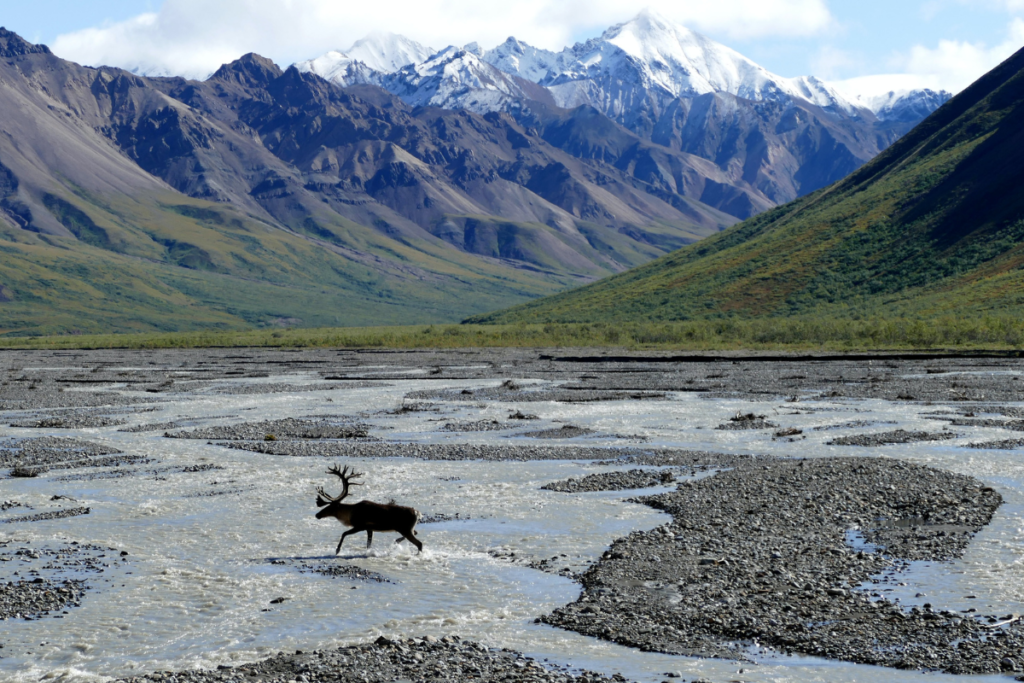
x=412 y=539
x=350 y=531
x=369 y=538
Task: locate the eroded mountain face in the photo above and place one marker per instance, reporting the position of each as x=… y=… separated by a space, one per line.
x=295 y=150
x=785 y=137
x=366 y=155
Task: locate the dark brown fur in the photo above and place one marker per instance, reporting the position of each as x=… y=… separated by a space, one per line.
x=368 y=516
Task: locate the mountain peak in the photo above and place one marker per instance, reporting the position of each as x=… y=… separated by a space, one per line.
x=249 y=70
x=13 y=45
x=388 y=52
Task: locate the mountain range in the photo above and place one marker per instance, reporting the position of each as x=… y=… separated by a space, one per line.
x=669 y=85
x=392 y=182
x=933 y=227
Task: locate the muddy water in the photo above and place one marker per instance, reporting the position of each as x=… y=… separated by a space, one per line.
x=209 y=551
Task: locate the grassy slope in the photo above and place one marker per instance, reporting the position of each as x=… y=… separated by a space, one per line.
x=172 y=263
x=932 y=227
x=982 y=334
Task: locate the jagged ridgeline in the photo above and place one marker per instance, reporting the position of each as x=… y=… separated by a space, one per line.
x=933 y=226
x=264 y=196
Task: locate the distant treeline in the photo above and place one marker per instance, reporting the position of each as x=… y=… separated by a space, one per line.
x=996 y=333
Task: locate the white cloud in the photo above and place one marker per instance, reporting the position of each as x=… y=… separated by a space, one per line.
x=831 y=60
x=952 y=65
x=956 y=64
x=194 y=37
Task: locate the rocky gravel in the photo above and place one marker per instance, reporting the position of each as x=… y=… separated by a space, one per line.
x=898 y=436
x=759 y=553
x=563 y=432
x=390 y=660
x=50 y=452
x=1003 y=445
x=613 y=481
x=344 y=571
x=453 y=451
x=271 y=430
x=151 y=427
x=475 y=426
x=439 y=517
x=747 y=421
x=693 y=461
x=46 y=516
x=1012 y=425
x=38 y=598
x=70 y=422
x=852 y=424
x=48 y=580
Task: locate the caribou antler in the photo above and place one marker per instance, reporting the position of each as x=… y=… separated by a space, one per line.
x=346 y=475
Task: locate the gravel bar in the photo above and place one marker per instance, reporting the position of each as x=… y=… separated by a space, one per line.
x=391 y=660
x=613 y=481
x=759 y=553
x=898 y=436
x=516 y=453
x=288 y=428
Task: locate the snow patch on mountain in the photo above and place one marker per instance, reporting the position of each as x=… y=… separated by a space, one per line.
x=528 y=62
x=898 y=97
x=650 y=52
x=454 y=78
x=368 y=60
x=388 y=52
x=341 y=69
x=624 y=71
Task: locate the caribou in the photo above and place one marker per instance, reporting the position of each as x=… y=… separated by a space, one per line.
x=366 y=515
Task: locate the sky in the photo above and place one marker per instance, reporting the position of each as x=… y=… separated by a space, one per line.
x=863 y=46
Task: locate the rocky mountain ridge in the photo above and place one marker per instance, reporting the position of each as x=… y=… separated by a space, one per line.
x=669 y=85
x=267 y=194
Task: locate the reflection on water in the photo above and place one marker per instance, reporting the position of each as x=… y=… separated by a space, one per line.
x=204 y=568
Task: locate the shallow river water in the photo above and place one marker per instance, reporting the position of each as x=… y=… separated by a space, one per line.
x=202 y=569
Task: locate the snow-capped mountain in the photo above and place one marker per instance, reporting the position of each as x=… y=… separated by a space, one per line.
x=660 y=80
x=903 y=105
x=368 y=60
x=526 y=61
x=341 y=69
x=652 y=53
x=655 y=54
x=388 y=52
x=454 y=78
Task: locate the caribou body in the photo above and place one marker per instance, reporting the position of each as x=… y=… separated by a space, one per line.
x=366 y=515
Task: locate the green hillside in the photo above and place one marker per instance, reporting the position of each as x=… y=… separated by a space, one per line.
x=934 y=226
x=167 y=262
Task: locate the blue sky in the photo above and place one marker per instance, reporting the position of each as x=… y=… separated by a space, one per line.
x=943 y=43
